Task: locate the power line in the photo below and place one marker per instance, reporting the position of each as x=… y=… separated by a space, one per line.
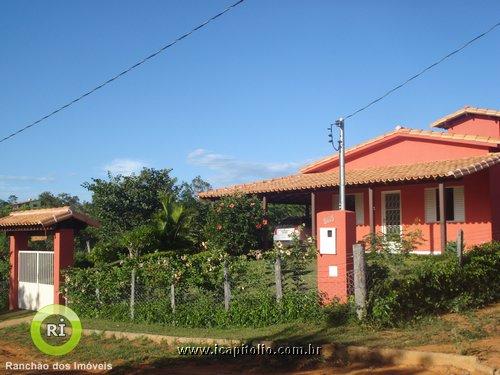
x=136 y=65
x=423 y=71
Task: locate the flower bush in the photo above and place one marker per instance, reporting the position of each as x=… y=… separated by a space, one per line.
x=235 y=224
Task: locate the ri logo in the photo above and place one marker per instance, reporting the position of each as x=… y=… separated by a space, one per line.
x=56 y=330
x=67 y=326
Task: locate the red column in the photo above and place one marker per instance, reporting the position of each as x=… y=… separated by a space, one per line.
x=63 y=258
x=335 y=263
x=18 y=241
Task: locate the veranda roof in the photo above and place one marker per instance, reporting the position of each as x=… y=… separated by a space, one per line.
x=455 y=168
x=44 y=218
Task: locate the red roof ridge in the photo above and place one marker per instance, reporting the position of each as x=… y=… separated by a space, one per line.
x=442 y=122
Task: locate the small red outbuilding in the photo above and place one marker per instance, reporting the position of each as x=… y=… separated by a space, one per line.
x=35 y=276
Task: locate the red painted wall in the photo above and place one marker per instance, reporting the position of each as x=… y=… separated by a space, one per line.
x=332 y=287
x=63 y=258
x=479 y=211
x=479 y=125
x=402 y=150
x=494 y=175
x=18 y=241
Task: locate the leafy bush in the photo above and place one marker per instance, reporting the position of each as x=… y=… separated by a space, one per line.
x=104 y=292
x=295 y=258
x=432 y=285
x=4 y=272
x=403 y=243
x=235 y=224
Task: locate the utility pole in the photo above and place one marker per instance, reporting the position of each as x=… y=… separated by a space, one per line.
x=341 y=150
x=340 y=125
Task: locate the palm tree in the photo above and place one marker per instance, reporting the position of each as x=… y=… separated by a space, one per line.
x=173 y=221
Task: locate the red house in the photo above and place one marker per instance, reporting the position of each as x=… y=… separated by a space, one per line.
x=436 y=181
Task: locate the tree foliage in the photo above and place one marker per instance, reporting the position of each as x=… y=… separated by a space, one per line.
x=174 y=222
x=122 y=203
x=235 y=224
x=150 y=206
x=49 y=200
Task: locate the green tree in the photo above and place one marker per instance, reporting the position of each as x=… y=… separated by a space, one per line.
x=123 y=203
x=48 y=200
x=198 y=208
x=174 y=222
x=5 y=208
x=235 y=224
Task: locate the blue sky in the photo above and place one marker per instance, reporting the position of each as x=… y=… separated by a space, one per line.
x=248 y=97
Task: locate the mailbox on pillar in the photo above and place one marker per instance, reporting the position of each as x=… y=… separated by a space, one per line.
x=336 y=233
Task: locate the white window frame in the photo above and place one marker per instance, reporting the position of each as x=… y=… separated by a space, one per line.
x=433 y=189
x=358 y=198
x=383 y=194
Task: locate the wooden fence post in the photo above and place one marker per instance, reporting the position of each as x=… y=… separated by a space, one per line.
x=132 y=295
x=278 y=279
x=359 y=280
x=227 y=288
x=460 y=246
x=172 y=297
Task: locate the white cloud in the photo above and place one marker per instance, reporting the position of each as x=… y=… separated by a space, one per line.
x=23 y=186
x=124 y=167
x=7 y=178
x=229 y=170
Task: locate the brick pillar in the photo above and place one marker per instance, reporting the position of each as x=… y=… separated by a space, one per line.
x=18 y=241
x=336 y=233
x=63 y=258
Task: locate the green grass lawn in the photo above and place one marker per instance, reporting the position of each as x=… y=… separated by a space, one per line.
x=432 y=330
x=457 y=330
x=7 y=315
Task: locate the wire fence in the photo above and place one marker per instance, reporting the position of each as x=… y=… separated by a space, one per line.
x=136 y=293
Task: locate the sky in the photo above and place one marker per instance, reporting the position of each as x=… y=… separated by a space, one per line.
x=248 y=97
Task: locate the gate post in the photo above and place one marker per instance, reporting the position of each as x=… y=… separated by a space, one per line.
x=63 y=258
x=18 y=241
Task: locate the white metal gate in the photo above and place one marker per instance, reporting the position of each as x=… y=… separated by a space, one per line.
x=35 y=279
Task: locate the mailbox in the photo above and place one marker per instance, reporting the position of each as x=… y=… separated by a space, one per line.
x=328 y=240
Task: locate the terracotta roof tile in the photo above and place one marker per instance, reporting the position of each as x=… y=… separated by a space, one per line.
x=44 y=217
x=400 y=173
x=409 y=132
x=441 y=123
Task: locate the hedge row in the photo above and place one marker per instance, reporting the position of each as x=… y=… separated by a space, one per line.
x=432 y=285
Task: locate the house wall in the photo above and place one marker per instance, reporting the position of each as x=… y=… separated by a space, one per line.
x=478 y=212
x=401 y=150
x=494 y=175
x=478 y=125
